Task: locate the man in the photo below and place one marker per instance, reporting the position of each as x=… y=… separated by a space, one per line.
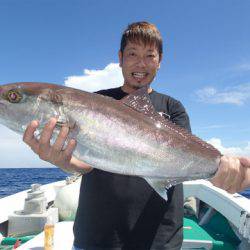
x=124 y=212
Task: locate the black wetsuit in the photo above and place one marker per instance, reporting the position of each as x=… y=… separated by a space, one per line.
x=124 y=212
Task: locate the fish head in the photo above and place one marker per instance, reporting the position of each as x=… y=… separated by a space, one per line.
x=20 y=103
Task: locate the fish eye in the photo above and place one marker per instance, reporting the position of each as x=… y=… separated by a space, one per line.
x=14 y=96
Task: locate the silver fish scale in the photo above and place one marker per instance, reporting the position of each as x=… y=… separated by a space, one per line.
x=107 y=145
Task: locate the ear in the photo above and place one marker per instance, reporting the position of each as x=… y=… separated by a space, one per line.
x=160 y=58
x=120 y=58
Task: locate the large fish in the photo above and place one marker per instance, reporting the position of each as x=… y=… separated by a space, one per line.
x=126 y=137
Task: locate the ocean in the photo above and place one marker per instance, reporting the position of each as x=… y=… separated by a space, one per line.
x=13 y=180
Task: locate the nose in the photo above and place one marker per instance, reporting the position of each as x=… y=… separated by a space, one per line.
x=141 y=62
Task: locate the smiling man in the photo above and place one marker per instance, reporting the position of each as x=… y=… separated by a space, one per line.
x=139 y=60
x=124 y=212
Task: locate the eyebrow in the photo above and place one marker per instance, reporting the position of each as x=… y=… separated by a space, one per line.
x=133 y=48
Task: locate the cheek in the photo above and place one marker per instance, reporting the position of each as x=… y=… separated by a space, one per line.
x=154 y=68
x=127 y=63
x=125 y=72
x=126 y=67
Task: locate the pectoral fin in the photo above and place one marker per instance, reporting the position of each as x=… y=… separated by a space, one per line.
x=159 y=185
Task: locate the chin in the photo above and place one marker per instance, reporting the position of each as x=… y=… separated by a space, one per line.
x=138 y=85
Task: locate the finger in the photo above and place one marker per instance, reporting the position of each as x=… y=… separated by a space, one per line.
x=44 y=150
x=28 y=136
x=47 y=132
x=232 y=178
x=237 y=187
x=58 y=145
x=246 y=179
x=238 y=175
x=67 y=153
x=245 y=161
x=219 y=178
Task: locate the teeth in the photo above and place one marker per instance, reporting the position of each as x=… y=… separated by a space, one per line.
x=139 y=74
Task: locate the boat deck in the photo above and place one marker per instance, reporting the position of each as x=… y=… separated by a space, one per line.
x=216 y=234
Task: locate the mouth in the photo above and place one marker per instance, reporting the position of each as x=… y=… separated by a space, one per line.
x=139 y=75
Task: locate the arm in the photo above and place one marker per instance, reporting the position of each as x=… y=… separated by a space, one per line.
x=54 y=153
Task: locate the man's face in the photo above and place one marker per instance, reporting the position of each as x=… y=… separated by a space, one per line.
x=139 y=64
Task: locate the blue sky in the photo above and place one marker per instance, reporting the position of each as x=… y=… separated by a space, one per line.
x=206 y=61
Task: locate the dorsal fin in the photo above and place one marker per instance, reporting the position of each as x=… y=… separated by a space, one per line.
x=140 y=101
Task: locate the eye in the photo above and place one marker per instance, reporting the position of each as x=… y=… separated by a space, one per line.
x=131 y=54
x=14 y=96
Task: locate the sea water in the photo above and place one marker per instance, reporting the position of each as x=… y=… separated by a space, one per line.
x=13 y=180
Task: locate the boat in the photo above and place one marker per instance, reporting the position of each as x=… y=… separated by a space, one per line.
x=214 y=219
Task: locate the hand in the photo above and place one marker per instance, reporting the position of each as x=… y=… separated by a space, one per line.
x=50 y=153
x=245 y=162
x=233 y=174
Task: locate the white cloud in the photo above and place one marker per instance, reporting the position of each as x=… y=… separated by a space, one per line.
x=14 y=153
x=93 y=80
x=215 y=126
x=237 y=151
x=235 y=95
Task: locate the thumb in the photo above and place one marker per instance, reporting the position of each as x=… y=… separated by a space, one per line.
x=245 y=161
x=246 y=181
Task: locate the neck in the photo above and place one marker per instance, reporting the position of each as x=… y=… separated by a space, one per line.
x=128 y=89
